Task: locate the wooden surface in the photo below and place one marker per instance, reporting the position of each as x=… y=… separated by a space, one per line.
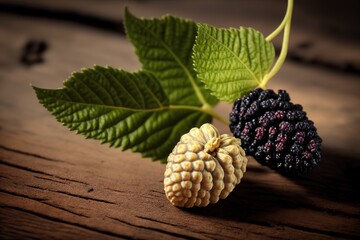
x=54 y=184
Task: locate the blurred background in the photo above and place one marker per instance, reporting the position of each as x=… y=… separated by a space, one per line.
x=325 y=33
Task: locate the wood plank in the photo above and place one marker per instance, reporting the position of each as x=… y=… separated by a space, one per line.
x=93 y=203
x=53 y=183
x=31 y=225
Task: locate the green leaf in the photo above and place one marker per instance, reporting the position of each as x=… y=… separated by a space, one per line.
x=231 y=62
x=127 y=110
x=164 y=47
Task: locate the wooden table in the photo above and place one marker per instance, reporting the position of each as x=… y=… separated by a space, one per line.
x=56 y=185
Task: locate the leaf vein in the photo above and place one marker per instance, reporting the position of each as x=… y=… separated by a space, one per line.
x=182 y=66
x=232 y=52
x=122 y=86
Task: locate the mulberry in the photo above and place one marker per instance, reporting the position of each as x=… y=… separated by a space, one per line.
x=203 y=167
x=276 y=132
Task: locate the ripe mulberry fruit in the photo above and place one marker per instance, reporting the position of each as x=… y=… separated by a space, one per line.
x=276 y=132
x=203 y=167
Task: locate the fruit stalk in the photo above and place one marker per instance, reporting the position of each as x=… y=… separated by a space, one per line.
x=286 y=26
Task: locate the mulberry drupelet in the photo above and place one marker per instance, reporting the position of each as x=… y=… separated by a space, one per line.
x=276 y=132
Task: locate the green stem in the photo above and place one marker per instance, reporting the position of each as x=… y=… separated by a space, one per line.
x=278 y=30
x=286 y=25
x=210 y=110
x=205 y=109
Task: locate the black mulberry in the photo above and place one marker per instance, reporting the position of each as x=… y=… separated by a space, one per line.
x=276 y=132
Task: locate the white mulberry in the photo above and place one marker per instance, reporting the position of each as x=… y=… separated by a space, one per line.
x=203 y=167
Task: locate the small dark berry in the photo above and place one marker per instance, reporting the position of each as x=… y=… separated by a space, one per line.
x=285 y=127
x=290 y=115
x=279 y=114
x=259 y=133
x=296 y=149
x=298 y=107
x=269 y=104
x=283 y=96
x=279 y=147
x=312 y=145
x=268 y=146
x=284 y=105
x=263 y=121
x=272 y=133
x=299 y=137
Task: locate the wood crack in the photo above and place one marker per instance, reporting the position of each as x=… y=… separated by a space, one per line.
x=155 y=191
x=73 y=195
x=66 y=210
x=43 y=201
x=33 y=155
x=182 y=227
x=47 y=217
x=182 y=236
x=84 y=197
x=334 y=212
x=39 y=172
x=49 y=179
x=320 y=231
x=23 y=196
x=310 y=206
x=157 y=221
x=297 y=227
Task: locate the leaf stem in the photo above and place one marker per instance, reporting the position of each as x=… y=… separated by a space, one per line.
x=285 y=25
x=205 y=109
x=210 y=110
x=278 y=30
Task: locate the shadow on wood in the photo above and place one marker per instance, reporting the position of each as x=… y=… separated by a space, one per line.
x=255 y=201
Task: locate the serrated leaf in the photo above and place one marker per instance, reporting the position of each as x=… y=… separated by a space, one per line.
x=164 y=47
x=231 y=62
x=127 y=110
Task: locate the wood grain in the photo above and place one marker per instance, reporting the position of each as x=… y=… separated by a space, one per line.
x=56 y=185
